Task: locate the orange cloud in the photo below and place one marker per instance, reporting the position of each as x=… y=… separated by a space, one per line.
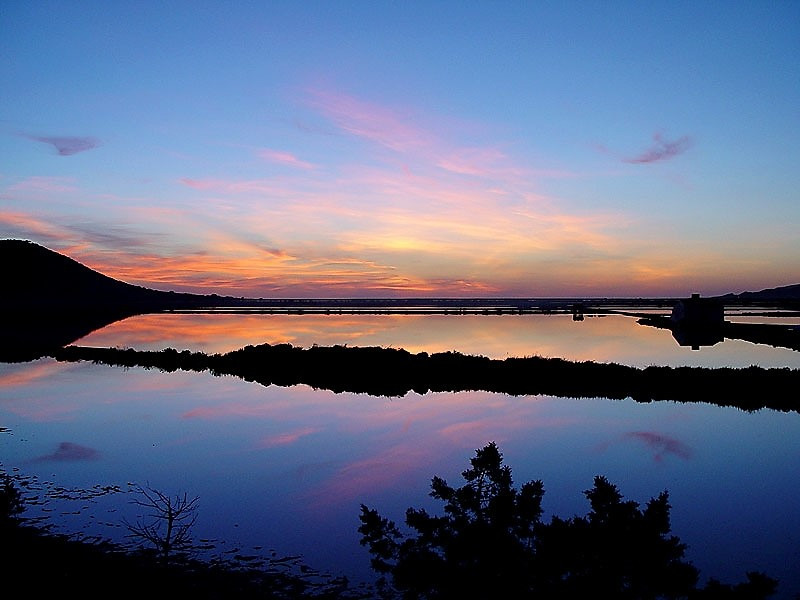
x=27 y=225
x=30 y=373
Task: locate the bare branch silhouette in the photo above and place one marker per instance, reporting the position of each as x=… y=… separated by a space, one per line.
x=172 y=519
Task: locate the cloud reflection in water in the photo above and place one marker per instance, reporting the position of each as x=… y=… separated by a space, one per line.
x=70 y=451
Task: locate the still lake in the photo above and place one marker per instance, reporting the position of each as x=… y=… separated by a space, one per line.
x=287 y=468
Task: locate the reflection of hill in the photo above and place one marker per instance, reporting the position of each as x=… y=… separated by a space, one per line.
x=395 y=372
x=784 y=336
x=28 y=335
x=50 y=300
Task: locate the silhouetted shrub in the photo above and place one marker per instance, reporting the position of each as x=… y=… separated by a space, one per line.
x=10 y=502
x=491 y=543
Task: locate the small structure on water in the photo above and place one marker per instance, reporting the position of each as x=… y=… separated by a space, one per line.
x=697 y=311
x=577 y=312
x=698 y=321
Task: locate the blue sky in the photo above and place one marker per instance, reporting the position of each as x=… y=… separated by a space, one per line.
x=384 y=149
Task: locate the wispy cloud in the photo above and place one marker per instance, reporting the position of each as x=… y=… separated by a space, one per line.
x=66 y=145
x=29 y=373
x=38 y=183
x=661 y=149
x=284 y=158
x=27 y=226
x=379 y=124
x=480 y=162
x=425 y=207
x=376 y=472
x=265 y=187
x=428 y=208
x=79 y=238
x=400 y=130
x=284 y=439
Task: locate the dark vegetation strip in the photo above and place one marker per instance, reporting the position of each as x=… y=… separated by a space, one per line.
x=395 y=372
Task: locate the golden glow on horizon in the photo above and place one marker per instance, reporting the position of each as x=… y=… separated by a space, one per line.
x=427 y=216
x=444 y=258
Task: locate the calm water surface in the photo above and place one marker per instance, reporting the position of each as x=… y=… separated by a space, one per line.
x=287 y=468
x=611 y=338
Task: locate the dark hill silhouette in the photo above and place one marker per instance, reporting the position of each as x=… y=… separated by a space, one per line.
x=49 y=300
x=35 y=277
x=38 y=278
x=786 y=292
x=785 y=295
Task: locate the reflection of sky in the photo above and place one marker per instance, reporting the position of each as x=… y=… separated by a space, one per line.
x=609 y=339
x=764 y=319
x=288 y=467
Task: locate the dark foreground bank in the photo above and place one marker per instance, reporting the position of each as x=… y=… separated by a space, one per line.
x=38 y=563
x=396 y=372
x=45 y=565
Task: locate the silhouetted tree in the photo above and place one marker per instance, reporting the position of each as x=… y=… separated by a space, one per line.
x=492 y=543
x=477 y=549
x=616 y=551
x=169 y=531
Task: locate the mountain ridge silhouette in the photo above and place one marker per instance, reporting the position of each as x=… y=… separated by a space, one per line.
x=37 y=277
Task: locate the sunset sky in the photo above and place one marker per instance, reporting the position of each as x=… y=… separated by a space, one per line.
x=330 y=149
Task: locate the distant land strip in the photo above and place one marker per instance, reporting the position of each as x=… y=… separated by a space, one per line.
x=395 y=372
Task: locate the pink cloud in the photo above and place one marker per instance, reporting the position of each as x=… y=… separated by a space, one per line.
x=284 y=158
x=662 y=149
x=376 y=473
x=481 y=162
x=39 y=183
x=29 y=226
x=30 y=373
x=376 y=123
x=236 y=186
x=226 y=411
x=202 y=184
x=399 y=130
x=287 y=438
